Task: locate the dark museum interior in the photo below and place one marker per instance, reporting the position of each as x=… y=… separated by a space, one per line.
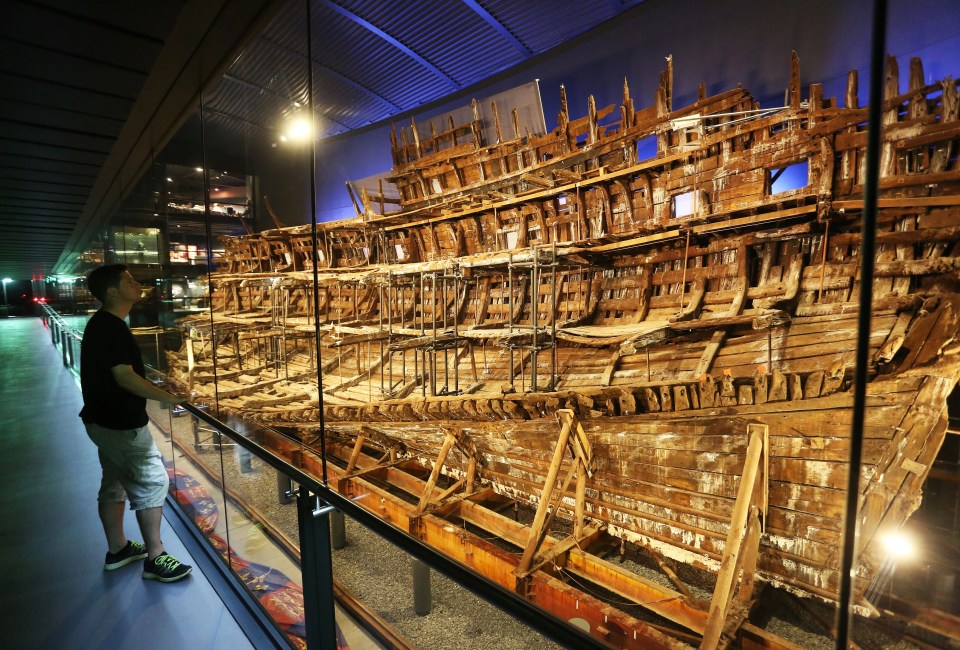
x=389 y=251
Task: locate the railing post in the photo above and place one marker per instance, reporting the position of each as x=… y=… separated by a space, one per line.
x=316 y=563
x=284 y=488
x=338 y=530
x=851 y=531
x=63 y=347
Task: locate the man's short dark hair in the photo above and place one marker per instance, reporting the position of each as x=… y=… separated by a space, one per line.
x=103 y=278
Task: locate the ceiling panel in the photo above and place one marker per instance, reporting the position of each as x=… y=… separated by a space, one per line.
x=70 y=73
x=72 y=76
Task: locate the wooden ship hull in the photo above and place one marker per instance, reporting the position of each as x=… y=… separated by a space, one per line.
x=659 y=350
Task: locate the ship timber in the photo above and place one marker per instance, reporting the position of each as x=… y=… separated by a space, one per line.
x=677 y=324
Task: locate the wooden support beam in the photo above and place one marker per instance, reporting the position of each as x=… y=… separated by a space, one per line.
x=471 y=475
x=672 y=575
x=894 y=339
x=650 y=595
x=434 y=474
x=357 y=448
x=905 y=202
x=751 y=552
x=558 y=550
x=752 y=637
x=733 y=559
x=541 y=516
x=607 y=375
x=540 y=181
x=579 y=442
x=450 y=490
x=384 y=463
x=581 y=466
x=579 y=508
x=710 y=353
x=539 y=529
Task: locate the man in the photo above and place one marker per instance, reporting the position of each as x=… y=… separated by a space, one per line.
x=115 y=394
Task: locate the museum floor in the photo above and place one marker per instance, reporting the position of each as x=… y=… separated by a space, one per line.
x=56 y=594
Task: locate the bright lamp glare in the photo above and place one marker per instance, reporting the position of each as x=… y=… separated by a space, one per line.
x=899 y=545
x=299 y=130
x=7 y=280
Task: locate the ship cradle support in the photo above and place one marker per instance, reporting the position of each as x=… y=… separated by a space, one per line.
x=460 y=523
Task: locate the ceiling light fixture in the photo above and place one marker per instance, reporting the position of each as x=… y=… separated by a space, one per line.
x=299 y=129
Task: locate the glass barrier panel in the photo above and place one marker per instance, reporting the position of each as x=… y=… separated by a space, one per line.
x=448 y=356
x=211 y=479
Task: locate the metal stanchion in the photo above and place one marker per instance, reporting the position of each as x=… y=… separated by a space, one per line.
x=338 y=530
x=63 y=347
x=316 y=563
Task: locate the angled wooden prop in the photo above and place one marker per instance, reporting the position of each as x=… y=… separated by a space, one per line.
x=434 y=474
x=740 y=551
x=581 y=466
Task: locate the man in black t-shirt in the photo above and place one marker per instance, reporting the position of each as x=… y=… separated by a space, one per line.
x=115 y=394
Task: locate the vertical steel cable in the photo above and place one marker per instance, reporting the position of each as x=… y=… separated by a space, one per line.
x=851 y=532
x=208 y=233
x=313 y=232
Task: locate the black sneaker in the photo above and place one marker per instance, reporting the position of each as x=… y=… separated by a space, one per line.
x=165 y=568
x=132 y=552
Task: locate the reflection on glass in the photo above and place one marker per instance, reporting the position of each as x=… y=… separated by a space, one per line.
x=672 y=274
x=241 y=506
x=137 y=245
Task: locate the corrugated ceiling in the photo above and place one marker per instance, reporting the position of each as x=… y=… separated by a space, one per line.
x=375 y=59
x=72 y=72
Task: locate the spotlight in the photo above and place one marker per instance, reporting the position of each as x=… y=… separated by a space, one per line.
x=899 y=545
x=299 y=129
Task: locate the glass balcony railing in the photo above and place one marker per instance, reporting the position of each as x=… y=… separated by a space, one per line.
x=323 y=570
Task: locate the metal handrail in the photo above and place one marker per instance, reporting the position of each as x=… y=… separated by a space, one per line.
x=64 y=336
x=507 y=601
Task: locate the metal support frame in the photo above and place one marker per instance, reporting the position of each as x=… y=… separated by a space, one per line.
x=316 y=563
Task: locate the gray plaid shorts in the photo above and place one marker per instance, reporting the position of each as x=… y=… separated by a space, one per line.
x=132 y=467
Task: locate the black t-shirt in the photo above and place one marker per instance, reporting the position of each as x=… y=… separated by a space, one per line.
x=108 y=342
